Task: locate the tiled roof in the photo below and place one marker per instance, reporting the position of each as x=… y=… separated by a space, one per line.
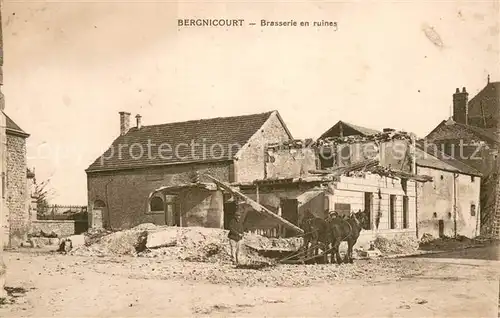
x=171 y=143
x=436 y=159
x=11 y=126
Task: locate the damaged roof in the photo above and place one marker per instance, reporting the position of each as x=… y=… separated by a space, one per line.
x=437 y=160
x=216 y=139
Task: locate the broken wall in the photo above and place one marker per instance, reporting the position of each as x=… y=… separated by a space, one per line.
x=393 y=153
x=307 y=199
x=289 y=162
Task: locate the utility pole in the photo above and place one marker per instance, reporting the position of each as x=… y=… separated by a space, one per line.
x=3 y=166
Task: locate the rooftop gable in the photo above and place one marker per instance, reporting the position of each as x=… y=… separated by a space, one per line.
x=348 y=129
x=12 y=128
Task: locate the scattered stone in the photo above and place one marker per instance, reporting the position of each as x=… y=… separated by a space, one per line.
x=160 y=239
x=421 y=301
x=400 y=244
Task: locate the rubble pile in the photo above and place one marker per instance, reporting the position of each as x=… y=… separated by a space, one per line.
x=400 y=244
x=429 y=243
x=377 y=138
x=179 y=243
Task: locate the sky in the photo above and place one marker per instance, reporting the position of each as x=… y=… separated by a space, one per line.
x=71 y=66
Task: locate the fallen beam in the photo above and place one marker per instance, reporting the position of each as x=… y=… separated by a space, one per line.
x=256 y=206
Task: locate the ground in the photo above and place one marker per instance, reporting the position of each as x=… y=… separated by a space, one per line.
x=462 y=283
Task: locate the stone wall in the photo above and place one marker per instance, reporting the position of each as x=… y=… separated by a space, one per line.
x=125 y=193
x=18 y=195
x=4 y=221
x=290 y=163
x=61 y=227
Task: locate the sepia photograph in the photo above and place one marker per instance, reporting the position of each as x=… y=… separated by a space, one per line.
x=301 y=158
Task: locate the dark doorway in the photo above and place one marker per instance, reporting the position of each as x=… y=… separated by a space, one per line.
x=229 y=210
x=290 y=212
x=368 y=207
x=441 y=228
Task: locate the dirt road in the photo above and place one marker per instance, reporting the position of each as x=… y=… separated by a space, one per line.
x=65 y=286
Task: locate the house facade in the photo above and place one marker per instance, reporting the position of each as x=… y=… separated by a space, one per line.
x=471 y=136
x=122 y=183
x=450 y=204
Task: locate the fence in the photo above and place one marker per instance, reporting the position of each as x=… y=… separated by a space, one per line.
x=62 y=212
x=271 y=233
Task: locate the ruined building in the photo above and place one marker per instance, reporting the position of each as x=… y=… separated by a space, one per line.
x=446 y=206
x=471 y=136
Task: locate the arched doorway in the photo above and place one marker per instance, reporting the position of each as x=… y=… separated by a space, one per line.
x=96 y=220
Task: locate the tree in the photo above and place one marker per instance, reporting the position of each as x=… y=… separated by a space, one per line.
x=43 y=194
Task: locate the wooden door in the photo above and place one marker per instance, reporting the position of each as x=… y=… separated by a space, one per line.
x=441 y=228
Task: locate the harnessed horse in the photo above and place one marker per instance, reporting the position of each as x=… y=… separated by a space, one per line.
x=315 y=233
x=345 y=229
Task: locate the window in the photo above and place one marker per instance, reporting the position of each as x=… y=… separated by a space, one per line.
x=472 y=178
x=442 y=177
x=99 y=204
x=326 y=157
x=392 y=211
x=406 y=222
x=473 y=210
x=156 y=205
x=368 y=208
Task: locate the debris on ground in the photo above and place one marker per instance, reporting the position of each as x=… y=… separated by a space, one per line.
x=196 y=244
x=426 y=238
x=41 y=233
x=400 y=244
x=448 y=243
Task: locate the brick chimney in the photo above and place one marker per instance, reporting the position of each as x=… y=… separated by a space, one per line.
x=460 y=106
x=138 y=121
x=124 y=123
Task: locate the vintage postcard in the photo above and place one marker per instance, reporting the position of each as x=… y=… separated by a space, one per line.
x=273 y=158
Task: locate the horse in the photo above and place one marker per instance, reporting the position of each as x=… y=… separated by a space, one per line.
x=315 y=233
x=346 y=229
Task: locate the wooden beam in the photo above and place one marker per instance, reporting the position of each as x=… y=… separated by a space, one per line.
x=256 y=206
x=257 y=193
